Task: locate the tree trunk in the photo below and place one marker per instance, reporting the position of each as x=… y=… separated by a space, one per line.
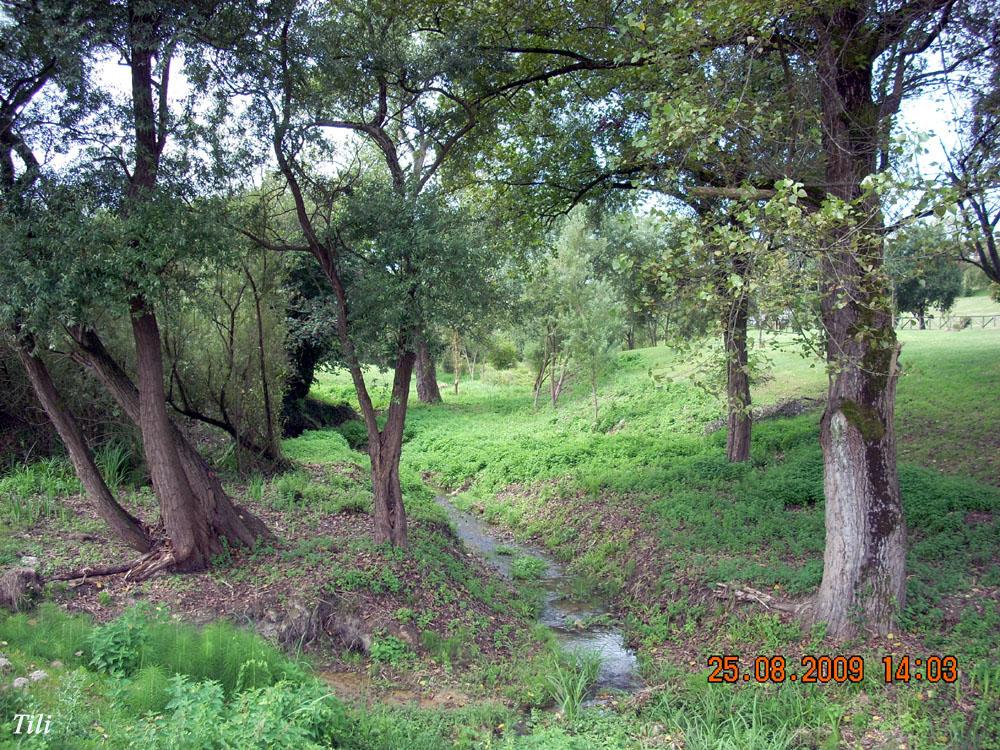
x=234 y=523
x=385 y=445
x=427 y=386
x=385 y=450
x=184 y=521
x=121 y=522
x=630 y=338
x=864 y=583
x=737 y=373
x=921 y=318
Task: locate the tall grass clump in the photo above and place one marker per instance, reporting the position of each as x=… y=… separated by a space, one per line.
x=48 y=633
x=570 y=679
x=115 y=462
x=30 y=493
x=219 y=651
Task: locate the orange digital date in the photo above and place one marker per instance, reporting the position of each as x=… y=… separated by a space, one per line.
x=774 y=669
x=838 y=669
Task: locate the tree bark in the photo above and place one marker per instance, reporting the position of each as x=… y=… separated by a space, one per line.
x=737 y=373
x=121 y=522
x=863 y=586
x=456 y=359
x=922 y=319
x=385 y=450
x=183 y=519
x=273 y=446
x=427 y=386
x=236 y=524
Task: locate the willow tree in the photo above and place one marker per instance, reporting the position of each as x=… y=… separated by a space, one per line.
x=108 y=246
x=40 y=74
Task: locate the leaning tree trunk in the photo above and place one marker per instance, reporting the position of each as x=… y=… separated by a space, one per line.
x=123 y=523
x=230 y=521
x=385 y=451
x=737 y=374
x=864 y=583
x=427 y=386
x=184 y=519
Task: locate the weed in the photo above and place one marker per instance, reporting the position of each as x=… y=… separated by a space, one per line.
x=528 y=568
x=30 y=493
x=388 y=649
x=255 y=488
x=116 y=645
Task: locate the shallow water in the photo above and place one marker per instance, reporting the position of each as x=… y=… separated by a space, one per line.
x=566 y=613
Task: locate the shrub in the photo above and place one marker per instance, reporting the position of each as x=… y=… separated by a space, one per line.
x=116 y=645
x=355 y=433
x=502 y=355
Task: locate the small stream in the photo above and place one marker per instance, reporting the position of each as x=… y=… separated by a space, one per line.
x=568 y=615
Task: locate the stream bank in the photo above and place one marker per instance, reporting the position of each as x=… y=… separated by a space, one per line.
x=580 y=624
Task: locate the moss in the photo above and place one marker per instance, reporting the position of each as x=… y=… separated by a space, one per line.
x=878 y=361
x=865 y=420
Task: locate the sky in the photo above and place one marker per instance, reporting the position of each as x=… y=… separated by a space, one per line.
x=932 y=114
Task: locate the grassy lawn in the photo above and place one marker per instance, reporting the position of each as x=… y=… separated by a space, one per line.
x=644 y=508
x=977 y=304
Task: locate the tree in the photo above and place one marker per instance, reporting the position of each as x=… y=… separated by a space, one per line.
x=573 y=315
x=925 y=274
x=974 y=171
x=863 y=59
x=223 y=351
x=408 y=85
x=853 y=63
x=40 y=52
x=634 y=246
x=112 y=233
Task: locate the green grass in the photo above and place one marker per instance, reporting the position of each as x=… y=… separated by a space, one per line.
x=552 y=474
x=30 y=493
x=759 y=523
x=592 y=493
x=980 y=303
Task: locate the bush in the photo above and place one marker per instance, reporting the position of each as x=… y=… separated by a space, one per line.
x=355 y=433
x=502 y=355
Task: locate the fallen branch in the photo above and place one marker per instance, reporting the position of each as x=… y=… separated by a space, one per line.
x=137 y=570
x=93 y=572
x=746 y=594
